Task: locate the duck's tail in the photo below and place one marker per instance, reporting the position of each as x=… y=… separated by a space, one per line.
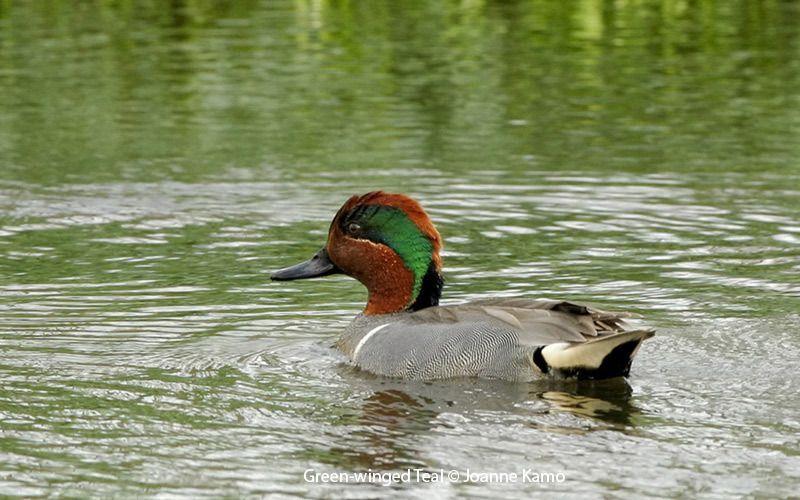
x=601 y=357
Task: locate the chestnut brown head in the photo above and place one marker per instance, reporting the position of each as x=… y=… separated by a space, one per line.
x=388 y=243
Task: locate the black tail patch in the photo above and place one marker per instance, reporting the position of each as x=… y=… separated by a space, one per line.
x=538 y=360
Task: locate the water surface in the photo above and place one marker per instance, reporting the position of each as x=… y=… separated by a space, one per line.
x=156 y=163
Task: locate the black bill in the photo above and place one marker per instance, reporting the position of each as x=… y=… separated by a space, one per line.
x=318 y=265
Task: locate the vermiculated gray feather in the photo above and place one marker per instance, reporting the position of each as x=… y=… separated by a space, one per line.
x=494 y=338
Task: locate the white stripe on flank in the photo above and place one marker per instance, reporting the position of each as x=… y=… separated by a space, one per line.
x=366 y=337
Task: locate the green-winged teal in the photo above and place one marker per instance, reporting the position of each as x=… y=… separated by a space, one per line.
x=388 y=243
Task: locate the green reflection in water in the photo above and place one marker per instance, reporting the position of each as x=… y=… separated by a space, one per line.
x=149 y=92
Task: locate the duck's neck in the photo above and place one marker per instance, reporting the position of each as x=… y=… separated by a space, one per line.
x=431 y=290
x=391 y=291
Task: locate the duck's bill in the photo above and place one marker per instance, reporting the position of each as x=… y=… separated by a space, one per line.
x=318 y=265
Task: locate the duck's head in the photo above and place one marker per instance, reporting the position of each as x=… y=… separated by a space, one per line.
x=388 y=243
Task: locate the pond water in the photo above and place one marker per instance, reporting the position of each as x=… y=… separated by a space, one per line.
x=158 y=161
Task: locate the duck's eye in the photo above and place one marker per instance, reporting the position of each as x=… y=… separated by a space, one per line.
x=353 y=228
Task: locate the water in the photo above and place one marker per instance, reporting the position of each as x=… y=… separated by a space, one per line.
x=156 y=163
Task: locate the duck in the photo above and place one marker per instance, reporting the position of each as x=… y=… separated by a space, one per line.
x=388 y=242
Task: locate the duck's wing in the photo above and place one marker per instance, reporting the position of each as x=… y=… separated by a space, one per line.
x=536 y=321
x=563 y=338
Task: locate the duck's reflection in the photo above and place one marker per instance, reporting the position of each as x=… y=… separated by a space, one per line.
x=396 y=415
x=396 y=408
x=406 y=403
x=607 y=401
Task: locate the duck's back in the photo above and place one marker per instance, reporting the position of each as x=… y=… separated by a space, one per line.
x=502 y=338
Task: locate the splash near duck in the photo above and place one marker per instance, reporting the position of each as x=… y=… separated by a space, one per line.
x=388 y=243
